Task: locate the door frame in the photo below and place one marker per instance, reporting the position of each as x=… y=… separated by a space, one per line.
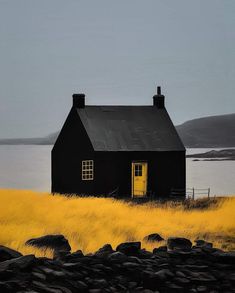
x=132 y=177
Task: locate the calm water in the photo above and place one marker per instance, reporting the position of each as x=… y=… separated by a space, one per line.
x=28 y=167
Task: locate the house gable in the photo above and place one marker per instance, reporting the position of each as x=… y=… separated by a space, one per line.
x=73 y=136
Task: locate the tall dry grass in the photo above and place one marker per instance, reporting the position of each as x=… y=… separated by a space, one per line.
x=88 y=223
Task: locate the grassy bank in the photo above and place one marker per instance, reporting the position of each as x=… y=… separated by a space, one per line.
x=88 y=223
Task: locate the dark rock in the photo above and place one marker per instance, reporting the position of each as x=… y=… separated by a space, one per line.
x=149 y=280
x=160 y=248
x=199 y=242
x=203 y=243
x=178 y=243
x=225 y=257
x=181 y=280
x=132 y=285
x=60 y=254
x=164 y=266
x=180 y=274
x=77 y=253
x=164 y=274
x=5 y=288
x=71 y=266
x=174 y=288
x=61 y=288
x=231 y=277
x=81 y=286
x=130 y=265
x=20 y=263
x=56 y=242
x=104 y=251
x=194 y=267
x=144 y=254
x=39 y=276
x=58 y=274
x=15 y=285
x=139 y=290
x=135 y=259
x=202 y=289
x=43 y=287
x=155 y=237
x=8 y=253
x=117 y=257
x=46 y=270
x=100 y=283
x=129 y=248
x=153 y=280
x=6 y=274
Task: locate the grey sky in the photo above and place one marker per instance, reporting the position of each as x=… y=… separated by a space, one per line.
x=116 y=52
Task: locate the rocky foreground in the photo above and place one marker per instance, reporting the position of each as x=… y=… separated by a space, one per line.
x=177 y=267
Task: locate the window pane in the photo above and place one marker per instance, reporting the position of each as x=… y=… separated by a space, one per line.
x=87 y=169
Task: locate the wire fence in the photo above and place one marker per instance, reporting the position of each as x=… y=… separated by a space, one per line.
x=192 y=193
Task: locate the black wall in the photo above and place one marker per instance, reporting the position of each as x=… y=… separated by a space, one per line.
x=166 y=170
x=71 y=147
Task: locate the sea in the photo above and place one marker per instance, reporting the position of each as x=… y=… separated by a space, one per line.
x=29 y=167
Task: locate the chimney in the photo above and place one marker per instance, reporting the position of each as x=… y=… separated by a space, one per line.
x=79 y=100
x=159 y=99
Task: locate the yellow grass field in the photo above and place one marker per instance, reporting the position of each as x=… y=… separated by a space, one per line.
x=89 y=223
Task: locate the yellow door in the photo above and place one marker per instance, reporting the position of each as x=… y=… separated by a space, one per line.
x=139 y=179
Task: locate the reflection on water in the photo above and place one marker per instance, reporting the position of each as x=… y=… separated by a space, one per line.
x=28 y=167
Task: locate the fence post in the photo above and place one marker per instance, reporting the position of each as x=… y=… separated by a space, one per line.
x=193 y=193
x=208 y=192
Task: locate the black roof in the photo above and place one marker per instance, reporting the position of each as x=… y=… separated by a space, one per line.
x=130 y=128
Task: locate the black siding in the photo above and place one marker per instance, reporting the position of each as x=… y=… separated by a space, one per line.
x=166 y=171
x=71 y=147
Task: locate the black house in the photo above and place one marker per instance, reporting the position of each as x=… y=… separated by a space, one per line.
x=122 y=151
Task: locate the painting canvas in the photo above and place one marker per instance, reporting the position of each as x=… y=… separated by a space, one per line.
x=117 y=146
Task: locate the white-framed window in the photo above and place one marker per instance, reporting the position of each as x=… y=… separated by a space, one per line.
x=138 y=170
x=88 y=170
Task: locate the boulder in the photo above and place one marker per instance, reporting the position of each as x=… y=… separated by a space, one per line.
x=159 y=249
x=8 y=253
x=178 y=243
x=117 y=257
x=104 y=251
x=71 y=257
x=149 y=280
x=155 y=237
x=129 y=248
x=130 y=265
x=225 y=257
x=203 y=243
x=143 y=253
x=163 y=275
x=100 y=283
x=19 y=263
x=56 y=242
x=60 y=254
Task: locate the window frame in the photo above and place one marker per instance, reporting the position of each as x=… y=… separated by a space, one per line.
x=87 y=170
x=138 y=170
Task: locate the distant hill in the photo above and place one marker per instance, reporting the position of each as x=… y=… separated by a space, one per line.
x=47 y=140
x=212 y=131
